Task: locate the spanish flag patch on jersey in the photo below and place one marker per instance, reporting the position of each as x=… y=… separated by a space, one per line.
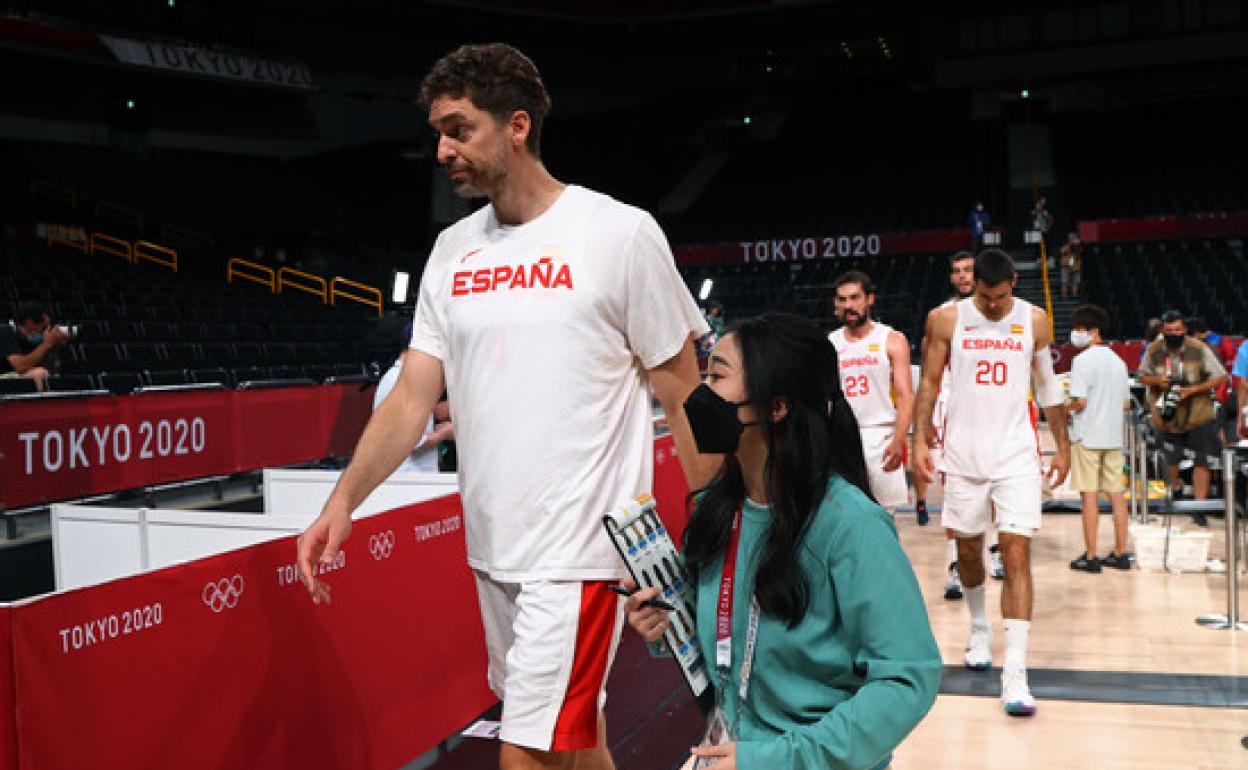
x=873 y=348
x=1016 y=329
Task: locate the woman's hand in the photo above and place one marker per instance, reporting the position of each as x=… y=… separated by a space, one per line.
x=650 y=622
x=723 y=756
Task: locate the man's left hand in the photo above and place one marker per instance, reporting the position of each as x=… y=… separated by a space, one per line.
x=1058 y=468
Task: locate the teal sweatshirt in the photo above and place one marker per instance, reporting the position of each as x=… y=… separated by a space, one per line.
x=848 y=683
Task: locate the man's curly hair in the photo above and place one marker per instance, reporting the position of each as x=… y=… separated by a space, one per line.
x=496 y=78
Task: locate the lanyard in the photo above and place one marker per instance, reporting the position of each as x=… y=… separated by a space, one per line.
x=723 y=617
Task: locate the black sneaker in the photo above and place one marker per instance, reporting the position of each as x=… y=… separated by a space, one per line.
x=920 y=512
x=1200 y=519
x=1085 y=564
x=1115 y=561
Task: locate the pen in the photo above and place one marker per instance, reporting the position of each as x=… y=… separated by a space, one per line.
x=652 y=602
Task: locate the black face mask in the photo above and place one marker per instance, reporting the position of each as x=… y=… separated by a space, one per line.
x=1174 y=340
x=714 y=422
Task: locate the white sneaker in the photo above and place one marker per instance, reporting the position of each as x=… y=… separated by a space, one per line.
x=953 y=589
x=979 y=649
x=1015 y=693
x=998 y=566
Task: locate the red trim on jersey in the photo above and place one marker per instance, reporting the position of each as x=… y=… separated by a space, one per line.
x=577 y=725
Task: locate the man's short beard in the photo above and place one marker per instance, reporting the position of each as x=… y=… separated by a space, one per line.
x=858 y=322
x=484 y=179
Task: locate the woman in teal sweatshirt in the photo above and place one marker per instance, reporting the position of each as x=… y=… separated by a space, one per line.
x=844 y=665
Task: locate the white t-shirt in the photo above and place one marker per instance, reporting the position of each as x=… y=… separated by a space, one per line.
x=867 y=375
x=1100 y=376
x=421 y=460
x=545 y=331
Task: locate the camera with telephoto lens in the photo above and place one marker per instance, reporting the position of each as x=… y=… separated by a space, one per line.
x=1168 y=403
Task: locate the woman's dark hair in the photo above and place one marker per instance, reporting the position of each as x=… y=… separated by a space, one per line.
x=785 y=357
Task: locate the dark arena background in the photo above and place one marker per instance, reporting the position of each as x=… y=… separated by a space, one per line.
x=229 y=205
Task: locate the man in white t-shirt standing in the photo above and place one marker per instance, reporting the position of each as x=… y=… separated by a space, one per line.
x=550 y=313
x=874 y=360
x=1100 y=391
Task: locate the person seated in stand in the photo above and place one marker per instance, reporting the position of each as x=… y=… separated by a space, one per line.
x=844 y=664
x=29 y=345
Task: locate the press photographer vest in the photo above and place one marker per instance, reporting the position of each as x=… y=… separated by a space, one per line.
x=1193 y=412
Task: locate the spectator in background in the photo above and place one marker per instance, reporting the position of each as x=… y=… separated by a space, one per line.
x=1072 y=265
x=1224 y=396
x=1152 y=331
x=438 y=428
x=1041 y=219
x=979 y=222
x=1181 y=373
x=387 y=347
x=29 y=345
x=1100 y=391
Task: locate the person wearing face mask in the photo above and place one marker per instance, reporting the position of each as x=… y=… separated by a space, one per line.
x=1100 y=391
x=28 y=345
x=807 y=609
x=1181 y=373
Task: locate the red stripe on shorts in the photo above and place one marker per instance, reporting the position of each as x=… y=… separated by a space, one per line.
x=577 y=726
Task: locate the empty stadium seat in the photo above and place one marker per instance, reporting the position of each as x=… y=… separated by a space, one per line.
x=120 y=383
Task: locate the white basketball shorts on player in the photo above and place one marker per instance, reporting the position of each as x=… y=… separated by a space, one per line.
x=889 y=488
x=968 y=504
x=551 y=643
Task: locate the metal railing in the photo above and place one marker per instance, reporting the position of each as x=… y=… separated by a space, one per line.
x=1147 y=447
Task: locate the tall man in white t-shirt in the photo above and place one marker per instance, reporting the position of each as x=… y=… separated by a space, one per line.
x=550 y=313
x=993 y=342
x=1100 y=391
x=874 y=360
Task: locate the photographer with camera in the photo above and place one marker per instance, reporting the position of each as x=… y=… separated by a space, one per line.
x=1181 y=373
x=29 y=345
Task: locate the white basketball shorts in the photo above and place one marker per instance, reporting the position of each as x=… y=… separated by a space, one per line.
x=968 y=504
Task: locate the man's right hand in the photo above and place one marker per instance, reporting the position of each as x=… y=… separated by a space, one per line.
x=319 y=545
x=54 y=336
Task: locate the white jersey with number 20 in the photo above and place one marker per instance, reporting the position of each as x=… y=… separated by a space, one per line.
x=988 y=429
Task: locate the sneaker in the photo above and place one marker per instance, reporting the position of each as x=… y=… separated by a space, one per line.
x=1015 y=694
x=998 y=567
x=1115 y=561
x=1200 y=519
x=953 y=589
x=978 y=650
x=920 y=511
x=1084 y=564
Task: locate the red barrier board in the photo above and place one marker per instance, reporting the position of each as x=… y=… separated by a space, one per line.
x=1164 y=228
x=8 y=700
x=58 y=449
x=824 y=247
x=225 y=662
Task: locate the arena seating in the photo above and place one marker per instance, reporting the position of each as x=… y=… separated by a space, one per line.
x=146 y=326
x=1133 y=281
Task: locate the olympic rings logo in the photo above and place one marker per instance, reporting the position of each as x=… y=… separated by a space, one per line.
x=381 y=545
x=224 y=594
